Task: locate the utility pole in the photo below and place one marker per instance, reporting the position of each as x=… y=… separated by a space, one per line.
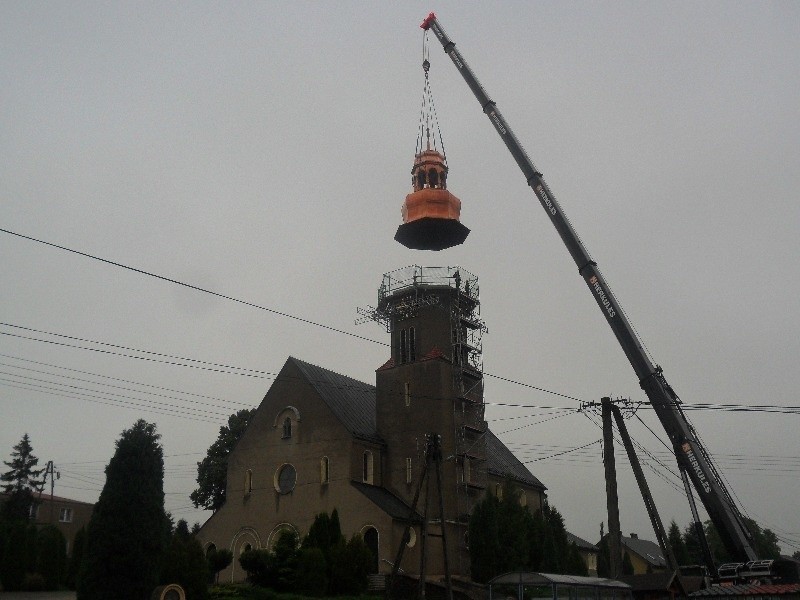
x=609 y=408
x=433 y=454
x=612 y=499
x=50 y=470
x=649 y=503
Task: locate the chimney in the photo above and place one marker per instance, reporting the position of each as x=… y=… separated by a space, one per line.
x=634 y=536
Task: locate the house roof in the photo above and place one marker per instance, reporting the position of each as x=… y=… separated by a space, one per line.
x=42 y=498
x=526 y=577
x=353 y=403
x=661 y=581
x=750 y=589
x=582 y=543
x=502 y=462
x=387 y=502
x=649 y=551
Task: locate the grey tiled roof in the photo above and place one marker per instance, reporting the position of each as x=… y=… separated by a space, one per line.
x=352 y=401
x=502 y=462
x=649 y=551
x=386 y=501
x=582 y=543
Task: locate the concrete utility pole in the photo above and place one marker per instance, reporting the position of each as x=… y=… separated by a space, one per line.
x=612 y=499
x=433 y=455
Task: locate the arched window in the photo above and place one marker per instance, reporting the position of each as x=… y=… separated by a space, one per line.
x=523 y=499
x=370 y=535
x=411 y=538
x=408 y=345
x=367 y=474
x=211 y=549
x=324 y=470
x=403 y=346
x=498 y=491
x=287 y=428
x=248 y=482
x=433 y=177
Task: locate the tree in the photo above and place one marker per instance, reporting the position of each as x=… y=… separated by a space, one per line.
x=76 y=558
x=484 y=539
x=212 y=471
x=765 y=542
x=185 y=564
x=604 y=559
x=627 y=565
x=218 y=560
x=20 y=555
x=504 y=536
x=21 y=481
x=312 y=572
x=675 y=540
x=51 y=556
x=350 y=565
x=128 y=532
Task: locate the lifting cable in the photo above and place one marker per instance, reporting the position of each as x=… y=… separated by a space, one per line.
x=428 y=119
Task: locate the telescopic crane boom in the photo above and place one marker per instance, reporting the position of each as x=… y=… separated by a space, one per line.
x=690 y=453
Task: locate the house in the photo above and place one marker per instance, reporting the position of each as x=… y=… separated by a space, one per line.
x=588 y=551
x=66 y=514
x=320 y=440
x=662 y=585
x=646 y=556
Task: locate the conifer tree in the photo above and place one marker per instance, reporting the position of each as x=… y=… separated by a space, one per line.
x=128 y=531
x=20 y=481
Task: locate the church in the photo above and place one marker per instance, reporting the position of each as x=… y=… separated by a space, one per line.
x=321 y=441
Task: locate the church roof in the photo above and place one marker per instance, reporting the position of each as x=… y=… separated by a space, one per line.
x=353 y=403
x=502 y=462
x=387 y=502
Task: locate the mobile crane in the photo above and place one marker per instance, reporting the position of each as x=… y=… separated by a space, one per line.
x=693 y=459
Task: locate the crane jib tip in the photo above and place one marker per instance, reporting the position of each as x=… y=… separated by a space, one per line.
x=427 y=22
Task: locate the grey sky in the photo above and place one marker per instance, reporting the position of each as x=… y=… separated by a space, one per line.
x=263 y=150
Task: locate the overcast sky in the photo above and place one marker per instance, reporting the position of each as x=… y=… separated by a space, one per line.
x=263 y=150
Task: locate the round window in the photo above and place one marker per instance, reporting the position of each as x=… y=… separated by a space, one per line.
x=285 y=479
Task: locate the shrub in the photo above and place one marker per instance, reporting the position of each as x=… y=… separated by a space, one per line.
x=218 y=560
x=311 y=575
x=51 y=556
x=260 y=567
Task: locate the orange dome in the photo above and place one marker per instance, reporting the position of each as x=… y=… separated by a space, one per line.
x=430 y=213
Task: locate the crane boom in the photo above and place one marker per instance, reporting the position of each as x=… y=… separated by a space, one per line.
x=690 y=453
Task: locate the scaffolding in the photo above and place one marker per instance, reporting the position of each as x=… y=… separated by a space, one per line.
x=456 y=292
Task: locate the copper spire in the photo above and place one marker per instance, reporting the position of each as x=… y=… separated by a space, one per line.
x=430 y=213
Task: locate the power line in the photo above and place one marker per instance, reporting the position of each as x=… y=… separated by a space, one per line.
x=193 y=287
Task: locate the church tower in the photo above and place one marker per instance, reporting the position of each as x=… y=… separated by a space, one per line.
x=433 y=385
